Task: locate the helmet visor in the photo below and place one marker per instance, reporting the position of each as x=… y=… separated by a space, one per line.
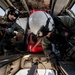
x=14 y=13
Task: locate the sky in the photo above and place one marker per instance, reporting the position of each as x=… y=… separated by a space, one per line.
x=73 y=8
x=2 y=12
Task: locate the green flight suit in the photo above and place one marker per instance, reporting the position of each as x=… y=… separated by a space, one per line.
x=69 y=22
x=5 y=23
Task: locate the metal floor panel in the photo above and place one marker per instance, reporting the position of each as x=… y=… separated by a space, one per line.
x=5 y=59
x=68 y=67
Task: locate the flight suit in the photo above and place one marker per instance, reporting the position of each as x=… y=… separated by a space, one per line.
x=48 y=51
x=9 y=42
x=47 y=41
x=69 y=22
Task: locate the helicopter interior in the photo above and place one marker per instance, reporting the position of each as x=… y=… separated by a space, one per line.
x=15 y=64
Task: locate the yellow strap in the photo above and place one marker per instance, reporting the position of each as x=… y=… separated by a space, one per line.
x=72 y=1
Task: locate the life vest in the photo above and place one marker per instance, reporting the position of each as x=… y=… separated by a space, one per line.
x=32 y=47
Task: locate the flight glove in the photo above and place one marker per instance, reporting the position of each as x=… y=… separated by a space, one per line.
x=9 y=30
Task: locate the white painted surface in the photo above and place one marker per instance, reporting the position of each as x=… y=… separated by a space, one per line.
x=2 y=70
x=40 y=72
x=22 y=22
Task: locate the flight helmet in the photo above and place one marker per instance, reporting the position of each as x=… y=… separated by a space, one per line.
x=13 y=11
x=40 y=21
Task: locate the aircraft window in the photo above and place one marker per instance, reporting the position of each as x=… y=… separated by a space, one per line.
x=73 y=9
x=2 y=12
